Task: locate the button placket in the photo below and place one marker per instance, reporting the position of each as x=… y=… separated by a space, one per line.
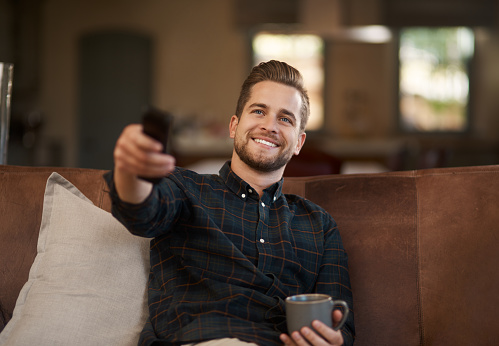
x=262 y=235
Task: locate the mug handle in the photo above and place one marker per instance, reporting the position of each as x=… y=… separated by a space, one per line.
x=345 y=315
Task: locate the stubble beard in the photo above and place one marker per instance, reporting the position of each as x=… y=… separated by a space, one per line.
x=259 y=162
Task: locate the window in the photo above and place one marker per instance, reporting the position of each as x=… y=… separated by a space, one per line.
x=305 y=53
x=434 y=78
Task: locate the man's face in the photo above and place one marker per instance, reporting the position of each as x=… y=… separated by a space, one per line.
x=267 y=134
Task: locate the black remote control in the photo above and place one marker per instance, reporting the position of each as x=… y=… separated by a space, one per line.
x=157 y=124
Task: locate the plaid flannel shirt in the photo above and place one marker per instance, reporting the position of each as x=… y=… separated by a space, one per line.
x=223 y=259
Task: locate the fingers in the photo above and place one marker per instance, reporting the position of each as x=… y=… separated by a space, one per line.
x=324 y=336
x=138 y=154
x=295 y=340
x=333 y=337
x=286 y=340
x=337 y=316
x=305 y=337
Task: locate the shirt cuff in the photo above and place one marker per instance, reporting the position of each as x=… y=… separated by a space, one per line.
x=113 y=193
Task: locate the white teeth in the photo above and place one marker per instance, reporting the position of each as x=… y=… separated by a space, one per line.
x=265 y=142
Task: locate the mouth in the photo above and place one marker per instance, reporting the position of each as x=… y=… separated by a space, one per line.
x=265 y=142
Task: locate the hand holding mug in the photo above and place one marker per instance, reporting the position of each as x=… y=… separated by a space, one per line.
x=311 y=315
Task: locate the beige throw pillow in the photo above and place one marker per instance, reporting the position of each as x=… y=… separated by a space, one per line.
x=88 y=283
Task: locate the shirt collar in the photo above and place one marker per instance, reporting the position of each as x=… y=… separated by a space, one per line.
x=244 y=190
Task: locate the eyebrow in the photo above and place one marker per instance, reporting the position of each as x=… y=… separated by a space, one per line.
x=282 y=110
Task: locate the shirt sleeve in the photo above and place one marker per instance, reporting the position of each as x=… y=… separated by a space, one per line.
x=334 y=278
x=154 y=215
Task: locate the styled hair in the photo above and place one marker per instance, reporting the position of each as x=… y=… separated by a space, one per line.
x=279 y=72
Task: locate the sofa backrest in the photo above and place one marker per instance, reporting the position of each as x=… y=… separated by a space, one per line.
x=422 y=245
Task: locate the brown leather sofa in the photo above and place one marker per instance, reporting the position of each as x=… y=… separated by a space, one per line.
x=423 y=246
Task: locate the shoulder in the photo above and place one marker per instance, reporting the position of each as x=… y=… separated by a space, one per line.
x=313 y=217
x=302 y=205
x=301 y=202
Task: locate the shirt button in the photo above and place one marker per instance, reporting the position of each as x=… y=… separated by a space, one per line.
x=250 y=191
x=262 y=240
x=243 y=195
x=263 y=204
x=275 y=197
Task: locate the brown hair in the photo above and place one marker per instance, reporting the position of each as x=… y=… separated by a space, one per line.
x=280 y=72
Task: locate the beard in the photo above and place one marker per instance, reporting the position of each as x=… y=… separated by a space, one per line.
x=259 y=161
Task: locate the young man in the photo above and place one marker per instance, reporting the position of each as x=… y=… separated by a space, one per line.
x=229 y=248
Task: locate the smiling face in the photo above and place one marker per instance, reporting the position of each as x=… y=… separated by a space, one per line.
x=267 y=134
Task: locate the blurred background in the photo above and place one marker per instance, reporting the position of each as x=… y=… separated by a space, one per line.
x=395 y=84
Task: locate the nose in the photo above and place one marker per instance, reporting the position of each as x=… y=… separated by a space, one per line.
x=269 y=123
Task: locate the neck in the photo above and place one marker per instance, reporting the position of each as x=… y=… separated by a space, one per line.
x=257 y=179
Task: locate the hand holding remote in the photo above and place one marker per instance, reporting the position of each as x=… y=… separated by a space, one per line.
x=157 y=124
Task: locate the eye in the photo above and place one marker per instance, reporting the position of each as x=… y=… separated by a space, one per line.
x=258 y=111
x=286 y=120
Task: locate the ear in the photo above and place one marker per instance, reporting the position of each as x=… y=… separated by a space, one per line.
x=301 y=140
x=234 y=121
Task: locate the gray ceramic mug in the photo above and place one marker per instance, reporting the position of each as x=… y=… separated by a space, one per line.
x=302 y=309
